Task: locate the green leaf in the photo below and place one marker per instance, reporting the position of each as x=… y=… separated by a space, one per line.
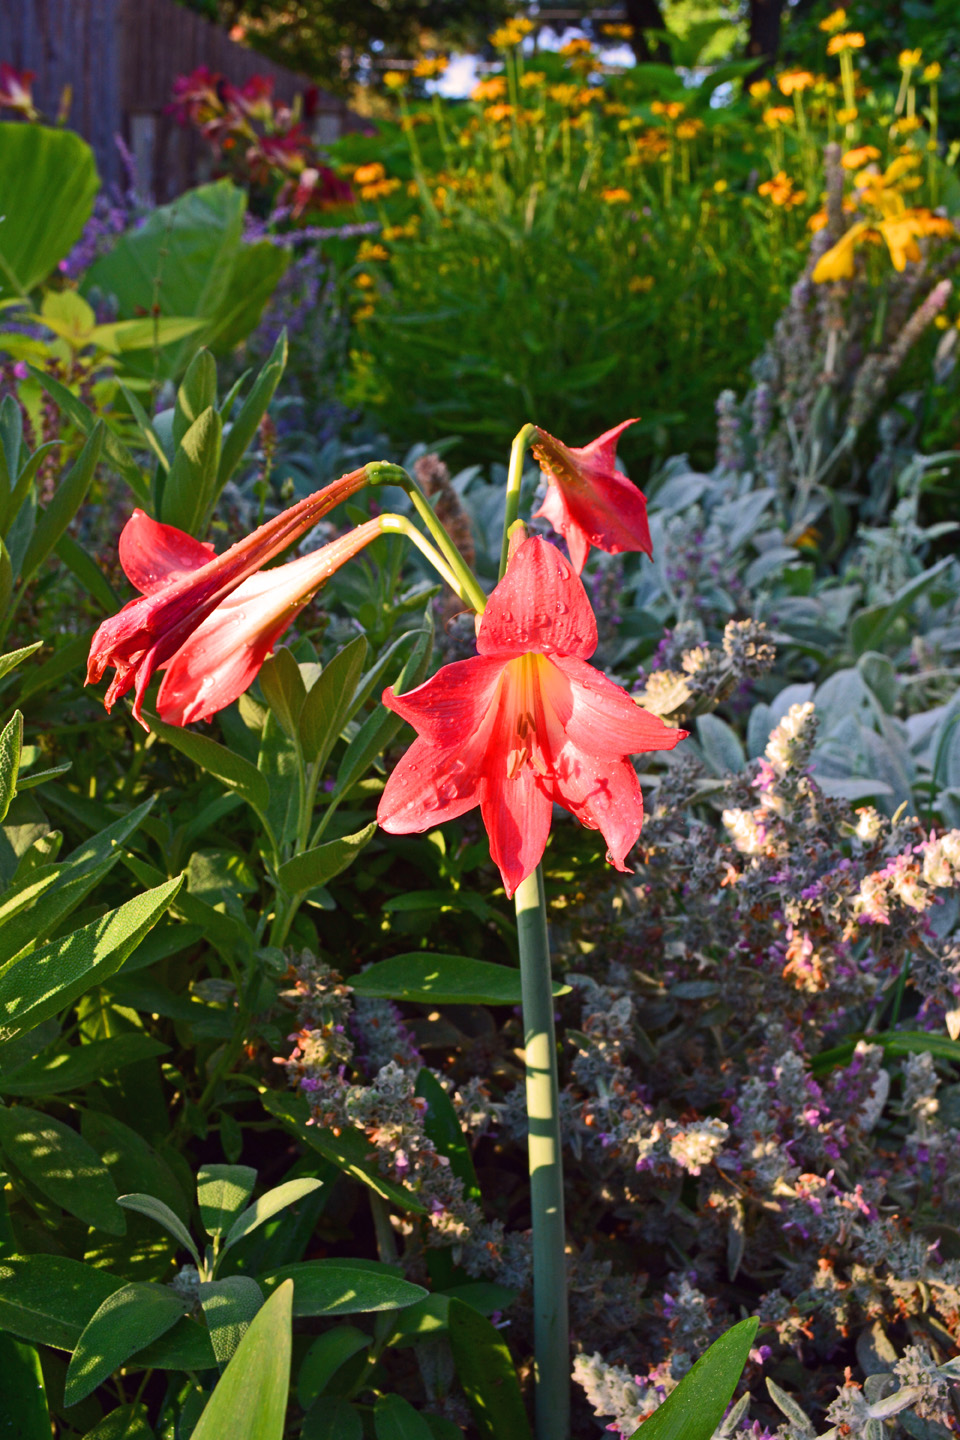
x=444 y=1129
x=329 y=702
x=127 y=1422
x=160 y=1212
x=126 y=1322
x=56 y=1071
x=48 y=181
x=88 y=572
x=229 y=1306
x=283 y=689
x=324 y=862
x=197 y=392
x=332 y=1418
x=269 y=1205
x=185 y=1347
x=486 y=1373
x=380 y=728
x=694 y=1410
x=189 y=491
x=11 y=743
x=345 y=1287
x=67 y=498
x=224 y=765
x=869 y=627
x=324 y=1358
x=23 y=1399
x=395 y=1419
x=61 y=1165
x=258 y=267
x=48 y=1299
x=443 y=979
x=222 y=1192
x=13 y=658
x=349 y=1151
x=252 y=411
x=250 y=1401
x=54 y=976
x=135 y=1166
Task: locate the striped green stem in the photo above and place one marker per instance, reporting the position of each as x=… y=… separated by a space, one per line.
x=550 y=1326
x=511 y=503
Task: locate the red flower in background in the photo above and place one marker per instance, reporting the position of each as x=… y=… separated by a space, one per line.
x=589 y=501
x=16 y=91
x=182 y=582
x=524 y=724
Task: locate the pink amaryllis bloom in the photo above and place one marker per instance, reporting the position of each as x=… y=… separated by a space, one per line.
x=16 y=91
x=182 y=582
x=589 y=501
x=524 y=724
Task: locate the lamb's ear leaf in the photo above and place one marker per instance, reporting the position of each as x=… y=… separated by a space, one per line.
x=694 y=1410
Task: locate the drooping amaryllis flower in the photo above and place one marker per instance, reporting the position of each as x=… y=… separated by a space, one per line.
x=183 y=582
x=589 y=501
x=525 y=723
x=223 y=656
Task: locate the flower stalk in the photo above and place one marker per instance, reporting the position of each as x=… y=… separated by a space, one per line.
x=511 y=501
x=550 y=1320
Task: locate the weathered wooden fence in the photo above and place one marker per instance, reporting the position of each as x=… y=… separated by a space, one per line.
x=120 y=59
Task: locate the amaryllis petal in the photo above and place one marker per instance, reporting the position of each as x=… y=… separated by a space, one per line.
x=149 y=631
x=516 y=812
x=224 y=654
x=428 y=787
x=449 y=707
x=589 y=501
x=603 y=795
x=605 y=721
x=153 y=554
x=539 y=605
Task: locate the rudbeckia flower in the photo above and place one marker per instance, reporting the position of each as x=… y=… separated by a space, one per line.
x=589 y=501
x=525 y=724
x=182 y=581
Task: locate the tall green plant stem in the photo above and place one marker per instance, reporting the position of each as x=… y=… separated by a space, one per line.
x=550 y=1325
x=511 y=502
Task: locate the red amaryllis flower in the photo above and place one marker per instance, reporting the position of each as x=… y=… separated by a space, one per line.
x=589 y=501
x=526 y=723
x=16 y=91
x=183 y=582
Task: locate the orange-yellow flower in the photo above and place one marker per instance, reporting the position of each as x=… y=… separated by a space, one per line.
x=430 y=66
x=689 y=129
x=579 y=46
x=492 y=89
x=909 y=59
x=932 y=73
x=396 y=80
x=670 y=108
x=760 y=89
x=781 y=192
x=776 y=115
x=616 y=196
x=852 y=40
x=859 y=156
x=834 y=22
x=369 y=174
x=795 y=80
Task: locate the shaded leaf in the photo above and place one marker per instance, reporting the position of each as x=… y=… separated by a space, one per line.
x=229 y=1306
x=250 y=1401
x=62 y=1166
x=128 y=1320
x=344 y=1287
x=443 y=979
x=486 y=1372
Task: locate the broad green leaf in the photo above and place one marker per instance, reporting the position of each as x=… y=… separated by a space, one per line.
x=322 y=1361
x=694 y=1410
x=269 y=1205
x=54 y=976
x=185 y=1347
x=329 y=702
x=486 y=1372
x=222 y=1192
x=21 y=491
x=252 y=411
x=156 y=1210
x=258 y=267
x=48 y=181
x=250 y=1401
x=189 y=491
x=56 y=1071
x=720 y=744
x=380 y=728
x=223 y=764
x=13 y=658
x=229 y=1306
x=870 y=626
x=284 y=690
x=395 y=1419
x=344 y=1287
x=349 y=1151
x=323 y=863
x=11 y=743
x=23 y=1399
x=62 y=1166
x=444 y=1129
x=88 y=572
x=332 y=1418
x=197 y=392
x=127 y=1422
x=48 y=1299
x=443 y=979
x=67 y=499
x=114 y=449
x=136 y=1167
x=126 y=1322
x=894 y=1042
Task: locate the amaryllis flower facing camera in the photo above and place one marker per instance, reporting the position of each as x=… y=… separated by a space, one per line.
x=589 y=501
x=182 y=581
x=524 y=724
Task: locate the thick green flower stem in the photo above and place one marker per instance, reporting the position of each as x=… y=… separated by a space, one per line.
x=511 y=502
x=550 y=1329
x=467 y=586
